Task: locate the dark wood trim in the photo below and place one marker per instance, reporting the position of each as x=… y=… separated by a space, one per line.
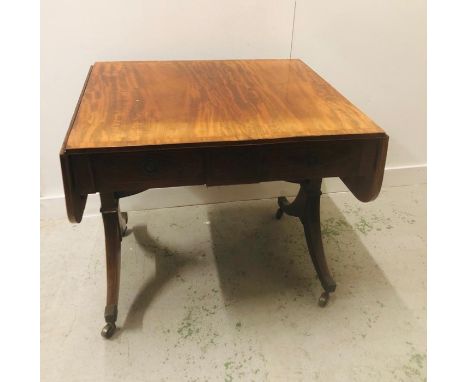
x=306 y=206
x=360 y=163
x=74 y=201
x=367 y=188
x=114 y=228
x=124 y=194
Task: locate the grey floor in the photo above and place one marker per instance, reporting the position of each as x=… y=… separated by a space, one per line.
x=227 y=293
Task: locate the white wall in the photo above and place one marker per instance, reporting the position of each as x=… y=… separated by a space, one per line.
x=373 y=51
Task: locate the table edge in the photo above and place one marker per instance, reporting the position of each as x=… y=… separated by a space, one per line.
x=63 y=149
x=201 y=145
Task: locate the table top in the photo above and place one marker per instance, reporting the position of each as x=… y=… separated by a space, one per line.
x=152 y=103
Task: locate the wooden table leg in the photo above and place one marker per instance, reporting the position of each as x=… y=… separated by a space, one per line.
x=306 y=207
x=114 y=228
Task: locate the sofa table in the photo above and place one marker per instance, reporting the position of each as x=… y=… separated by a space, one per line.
x=151 y=124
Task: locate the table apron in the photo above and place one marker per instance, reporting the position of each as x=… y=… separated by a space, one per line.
x=136 y=170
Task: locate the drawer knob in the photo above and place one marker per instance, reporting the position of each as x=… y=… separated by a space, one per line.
x=150 y=166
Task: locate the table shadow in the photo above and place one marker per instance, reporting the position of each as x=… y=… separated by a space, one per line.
x=259 y=258
x=167 y=265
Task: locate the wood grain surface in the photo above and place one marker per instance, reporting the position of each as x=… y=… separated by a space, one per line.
x=128 y=104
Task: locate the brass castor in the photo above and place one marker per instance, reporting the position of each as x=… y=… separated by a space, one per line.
x=323 y=300
x=108 y=330
x=279 y=213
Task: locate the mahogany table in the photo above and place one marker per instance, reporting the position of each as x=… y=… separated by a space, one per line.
x=142 y=125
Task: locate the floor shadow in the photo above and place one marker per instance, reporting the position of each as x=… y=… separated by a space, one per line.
x=259 y=257
x=261 y=260
x=167 y=265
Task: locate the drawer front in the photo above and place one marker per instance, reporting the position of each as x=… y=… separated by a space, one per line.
x=127 y=171
x=316 y=159
x=250 y=164
x=233 y=165
x=168 y=168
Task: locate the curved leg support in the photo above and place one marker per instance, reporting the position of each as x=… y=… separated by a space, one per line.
x=295 y=208
x=113 y=230
x=306 y=207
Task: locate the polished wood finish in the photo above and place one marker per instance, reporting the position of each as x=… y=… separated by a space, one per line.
x=306 y=207
x=359 y=162
x=367 y=187
x=114 y=228
x=156 y=103
x=142 y=125
x=75 y=201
